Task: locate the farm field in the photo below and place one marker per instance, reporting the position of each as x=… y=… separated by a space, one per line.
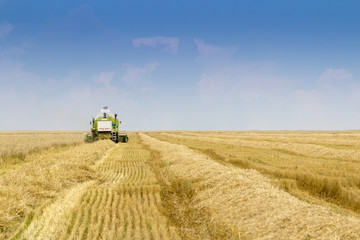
x=15 y=145
x=182 y=185
x=310 y=165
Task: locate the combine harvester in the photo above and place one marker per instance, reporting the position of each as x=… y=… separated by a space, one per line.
x=106 y=126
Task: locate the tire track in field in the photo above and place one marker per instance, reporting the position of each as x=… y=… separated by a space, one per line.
x=124 y=204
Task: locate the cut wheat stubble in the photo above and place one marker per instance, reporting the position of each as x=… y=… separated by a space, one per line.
x=247 y=202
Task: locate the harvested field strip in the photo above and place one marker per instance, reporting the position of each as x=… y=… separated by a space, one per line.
x=127 y=172
x=278 y=134
x=35 y=184
x=124 y=203
x=332 y=180
x=307 y=149
x=246 y=202
x=348 y=139
x=48 y=223
x=121 y=212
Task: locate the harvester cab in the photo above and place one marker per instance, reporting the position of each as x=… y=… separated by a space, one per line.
x=105 y=126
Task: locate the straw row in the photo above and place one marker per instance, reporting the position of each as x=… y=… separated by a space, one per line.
x=124 y=203
x=246 y=201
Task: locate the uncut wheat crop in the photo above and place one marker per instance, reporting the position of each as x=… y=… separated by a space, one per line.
x=15 y=145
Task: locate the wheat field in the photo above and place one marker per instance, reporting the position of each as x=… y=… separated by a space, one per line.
x=15 y=145
x=182 y=185
x=88 y=191
x=314 y=166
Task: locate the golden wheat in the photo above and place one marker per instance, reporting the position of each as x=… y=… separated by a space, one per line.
x=36 y=183
x=190 y=185
x=303 y=175
x=14 y=146
x=304 y=148
x=247 y=204
x=124 y=203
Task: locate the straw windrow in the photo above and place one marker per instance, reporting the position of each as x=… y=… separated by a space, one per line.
x=247 y=203
x=124 y=203
x=326 y=180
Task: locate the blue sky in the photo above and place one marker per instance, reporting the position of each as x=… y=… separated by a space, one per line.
x=226 y=65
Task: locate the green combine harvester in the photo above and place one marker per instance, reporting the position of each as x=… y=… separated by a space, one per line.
x=106 y=126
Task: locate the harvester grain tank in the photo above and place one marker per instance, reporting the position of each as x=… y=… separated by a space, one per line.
x=106 y=126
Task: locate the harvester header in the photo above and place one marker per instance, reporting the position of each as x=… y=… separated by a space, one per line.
x=105 y=126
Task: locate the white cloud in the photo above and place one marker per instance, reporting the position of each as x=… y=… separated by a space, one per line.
x=256 y=96
x=267 y=100
x=12 y=73
x=5 y=29
x=335 y=80
x=36 y=103
x=171 y=43
x=69 y=103
x=134 y=75
x=243 y=81
x=331 y=73
x=104 y=77
x=213 y=55
x=148 y=89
